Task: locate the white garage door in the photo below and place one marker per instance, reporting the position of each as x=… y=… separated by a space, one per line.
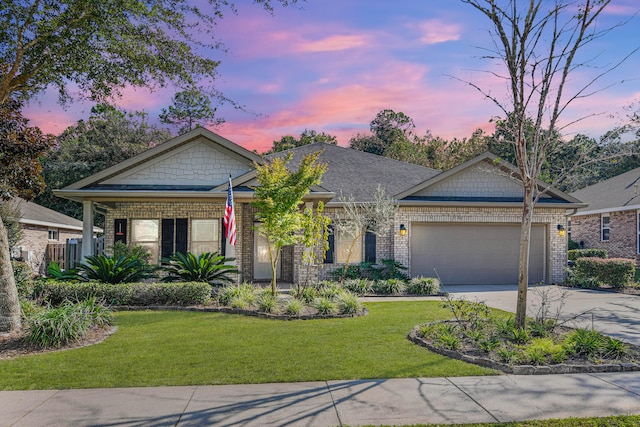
x=474 y=254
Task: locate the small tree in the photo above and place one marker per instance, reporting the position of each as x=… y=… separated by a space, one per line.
x=191 y=108
x=376 y=216
x=278 y=199
x=315 y=231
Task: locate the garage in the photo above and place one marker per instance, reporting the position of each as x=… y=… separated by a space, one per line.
x=475 y=254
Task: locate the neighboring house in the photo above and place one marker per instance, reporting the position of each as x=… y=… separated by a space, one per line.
x=42 y=227
x=464 y=223
x=611 y=220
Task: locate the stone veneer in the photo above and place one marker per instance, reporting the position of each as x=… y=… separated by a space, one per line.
x=623 y=235
x=556 y=245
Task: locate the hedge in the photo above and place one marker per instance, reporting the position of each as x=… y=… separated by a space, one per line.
x=615 y=272
x=137 y=294
x=574 y=254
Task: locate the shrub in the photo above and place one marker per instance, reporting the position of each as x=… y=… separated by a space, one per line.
x=573 y=245
x=22 y=276
x=293 y=307
x=574 y=254
x=584 y=342
x=329 y=290
x=349 y=303
x=507 y=355
x=267 y=303
x=244 y=291
x=423 y=286
x=208 y=267
x=540 y=350
x=489 y=343
x=325 y=306
x=307 y=294
x=115 y=270
x=615 y=272
x=129 y=251
x=141 y=294
x=358 y=286
x=65 y=324
x=29 y=308
x=468 y=314
x=56 y=273
x=391 y=269
x=389 y=286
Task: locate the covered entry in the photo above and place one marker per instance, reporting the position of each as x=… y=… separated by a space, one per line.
x=475 y=254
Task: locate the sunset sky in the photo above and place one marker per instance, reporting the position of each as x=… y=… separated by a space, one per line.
x=332 y=65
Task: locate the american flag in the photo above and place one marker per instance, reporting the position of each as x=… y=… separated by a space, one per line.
x=229 y=219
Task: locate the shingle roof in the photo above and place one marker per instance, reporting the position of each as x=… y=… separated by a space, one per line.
x=353 y=172
x=614 y=193
x=34 y=213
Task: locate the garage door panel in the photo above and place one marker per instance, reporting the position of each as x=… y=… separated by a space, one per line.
x=474 y=253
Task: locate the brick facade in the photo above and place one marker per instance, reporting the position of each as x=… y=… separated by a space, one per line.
x=33 y=244
x=623 y=235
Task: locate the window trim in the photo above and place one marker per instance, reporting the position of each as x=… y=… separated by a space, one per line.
x=155 y=259
x=603 y=228
x=55 y=232
x=216 y=238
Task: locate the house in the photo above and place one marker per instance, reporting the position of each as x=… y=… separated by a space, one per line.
x=42 y=227
x=611 y=221
x=463 y=223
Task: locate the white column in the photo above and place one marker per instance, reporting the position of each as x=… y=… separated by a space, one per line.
x=87 y=229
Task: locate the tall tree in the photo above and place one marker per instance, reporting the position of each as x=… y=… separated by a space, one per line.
x=108 y=137
x=307 y=137
x=388 y=128
x=20 y=148
x=538 y=43
x=190 y=109
x=101 y=47
x=278 y=198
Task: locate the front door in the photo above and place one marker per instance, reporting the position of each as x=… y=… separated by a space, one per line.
x=261 y=262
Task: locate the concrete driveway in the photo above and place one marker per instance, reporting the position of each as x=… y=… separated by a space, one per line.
x=614 y=314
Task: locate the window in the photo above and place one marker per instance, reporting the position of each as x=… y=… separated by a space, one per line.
x=204 y=236
x=53 y=234
x=345 y=246
x=145 y=233
x=605 y=227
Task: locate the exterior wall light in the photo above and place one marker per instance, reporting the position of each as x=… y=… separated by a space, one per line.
x=561 y=231
x=403 y=230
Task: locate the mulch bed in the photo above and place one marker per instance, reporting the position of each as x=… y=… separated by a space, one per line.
x=469 y=352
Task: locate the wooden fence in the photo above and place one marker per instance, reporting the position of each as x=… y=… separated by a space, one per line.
x=68 y=255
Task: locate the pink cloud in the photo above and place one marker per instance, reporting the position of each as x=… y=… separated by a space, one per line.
x=436 y=31
x=333 y=43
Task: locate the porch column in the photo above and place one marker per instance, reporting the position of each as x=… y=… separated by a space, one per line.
x=87 y=229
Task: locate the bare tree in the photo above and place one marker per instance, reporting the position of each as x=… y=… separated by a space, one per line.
x=538 y=43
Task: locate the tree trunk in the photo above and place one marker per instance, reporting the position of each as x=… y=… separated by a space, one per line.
x=523 y=262
x=9 y=302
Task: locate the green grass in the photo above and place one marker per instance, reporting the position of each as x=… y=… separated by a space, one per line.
x=615 y=421
x=170 y=348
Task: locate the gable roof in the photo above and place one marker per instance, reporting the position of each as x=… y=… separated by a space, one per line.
x=622 y=192
x=357 y=173
x=131 y=178
x=34 y=214
x=505 y=186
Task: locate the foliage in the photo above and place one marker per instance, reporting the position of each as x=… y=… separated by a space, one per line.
x=614 y=272
x=107 y=269
x=573 y=245
x=293 y=307
x=125 y=294
x=389 y=286
x=306 y=294
x=103 y=47
x=243 y=291
x=349 y=303
x=277 y=200
x=208 y=267
x=55 y=327
x=315 y=232
x=119 y=249
x=358 y=286
x=307 y=137
x=392 y=269
x=592 y=344
x=267 y=303
x=574 y=254
x=423 y=286
x=22 y=276
x=108 y=137
x=325 y=306
x=376 y=216
x=469 y=315
x=56 y=273
x=191 y=108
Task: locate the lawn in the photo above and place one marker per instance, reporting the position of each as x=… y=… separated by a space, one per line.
x=168 y=348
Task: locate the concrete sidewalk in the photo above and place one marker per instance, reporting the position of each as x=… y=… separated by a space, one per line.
x=332 y=403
